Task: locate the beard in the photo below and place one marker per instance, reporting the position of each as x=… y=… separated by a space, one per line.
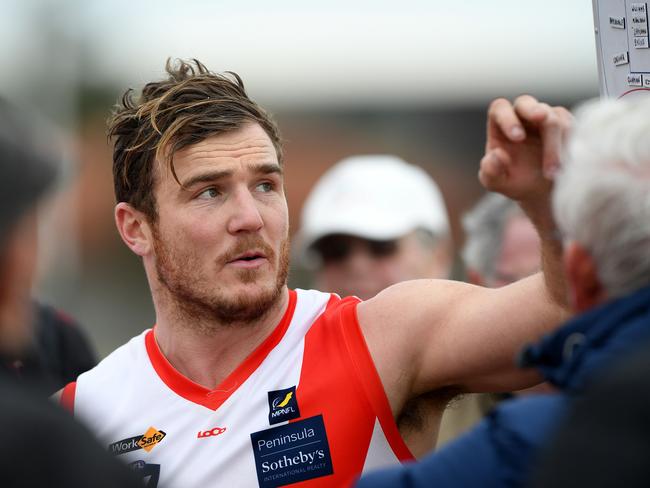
x=201 y=302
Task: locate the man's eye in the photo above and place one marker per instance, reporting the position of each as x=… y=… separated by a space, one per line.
x=265 y=187
x=209 y=193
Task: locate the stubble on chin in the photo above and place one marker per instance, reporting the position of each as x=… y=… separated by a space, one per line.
x=205 y=306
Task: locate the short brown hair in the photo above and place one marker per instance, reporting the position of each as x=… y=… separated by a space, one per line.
x=188 y=107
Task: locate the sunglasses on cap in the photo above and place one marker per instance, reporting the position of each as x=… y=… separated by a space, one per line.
x=338 y=247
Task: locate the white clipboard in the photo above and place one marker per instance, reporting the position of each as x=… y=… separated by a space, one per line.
x=623 y=47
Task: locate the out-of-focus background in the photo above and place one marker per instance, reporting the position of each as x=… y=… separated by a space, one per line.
x=412 y=78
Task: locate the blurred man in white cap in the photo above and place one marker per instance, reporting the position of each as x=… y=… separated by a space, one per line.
x=372 y=221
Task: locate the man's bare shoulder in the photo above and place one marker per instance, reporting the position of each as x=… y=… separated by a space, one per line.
x=410 y=305
x=431 y=334
x=400 y=325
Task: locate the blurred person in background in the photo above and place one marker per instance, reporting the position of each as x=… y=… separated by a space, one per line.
x=501 y=243
x=239 y=371
x=602 y=206
x=360 y=239
x=40 y=444
x=58 y=350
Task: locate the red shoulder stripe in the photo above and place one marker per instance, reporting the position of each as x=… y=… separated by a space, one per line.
x=339 y=381
x=366 y=370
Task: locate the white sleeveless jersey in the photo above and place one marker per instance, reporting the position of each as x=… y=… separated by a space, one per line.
x=307 y=406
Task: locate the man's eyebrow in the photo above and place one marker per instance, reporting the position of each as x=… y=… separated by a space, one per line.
x=268 y=168
x=212 y=176
x=206 y=177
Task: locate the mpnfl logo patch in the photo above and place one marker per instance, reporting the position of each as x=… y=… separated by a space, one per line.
x=283 y=405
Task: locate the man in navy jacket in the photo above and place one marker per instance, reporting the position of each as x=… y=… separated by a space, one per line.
x=601 y=203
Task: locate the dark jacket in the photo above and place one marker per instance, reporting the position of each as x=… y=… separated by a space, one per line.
x=501 y=450
x=42 y=445
x=605 y=439
x=58 y=353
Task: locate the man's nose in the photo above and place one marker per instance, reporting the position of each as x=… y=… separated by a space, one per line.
x=245 y=216
x=359 y=260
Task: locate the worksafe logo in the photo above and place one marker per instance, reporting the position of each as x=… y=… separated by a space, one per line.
x=283 y=405
x=150 y=438
x=145 y=441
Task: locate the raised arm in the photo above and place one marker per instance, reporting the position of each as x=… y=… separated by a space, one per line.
x=429 y=334
x=522 y=155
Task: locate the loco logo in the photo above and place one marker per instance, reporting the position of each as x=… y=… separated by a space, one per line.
x=211 y=432
x=283 y=405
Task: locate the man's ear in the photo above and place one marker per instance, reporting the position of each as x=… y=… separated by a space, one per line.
x=585 y=286
x=134 y=228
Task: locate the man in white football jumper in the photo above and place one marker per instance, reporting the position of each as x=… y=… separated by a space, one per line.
x=243 y=382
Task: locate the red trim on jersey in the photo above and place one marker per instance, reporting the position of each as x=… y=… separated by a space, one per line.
x=365 y=367
x=339 y=380
x=213 y=399
x=67 y=396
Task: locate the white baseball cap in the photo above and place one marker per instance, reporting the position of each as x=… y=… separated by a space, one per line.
x=379 y=197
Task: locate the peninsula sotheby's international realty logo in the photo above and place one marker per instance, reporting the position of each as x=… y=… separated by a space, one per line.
x=283 y=405
x=297 y=451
